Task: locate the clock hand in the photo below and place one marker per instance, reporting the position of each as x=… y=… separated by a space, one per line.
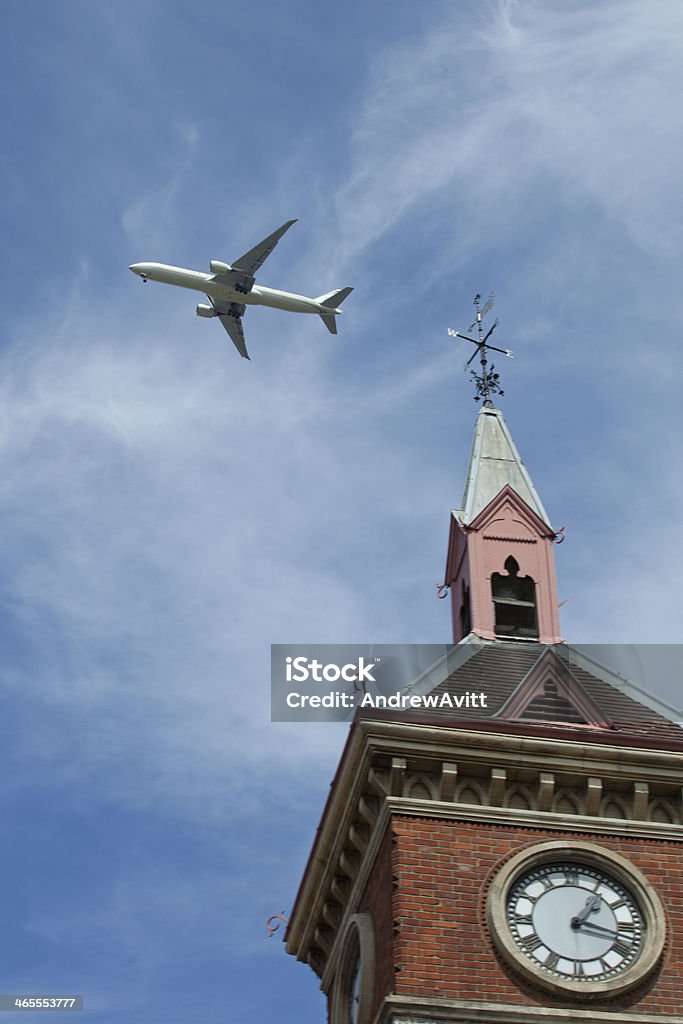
x=592 y=904
x=596 y=927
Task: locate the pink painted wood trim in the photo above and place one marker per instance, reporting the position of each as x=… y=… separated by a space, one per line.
x=507 y=526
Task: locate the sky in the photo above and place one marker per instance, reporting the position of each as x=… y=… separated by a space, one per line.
x=168 y=510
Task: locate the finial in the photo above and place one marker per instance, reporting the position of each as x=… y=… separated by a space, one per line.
x=487 y=382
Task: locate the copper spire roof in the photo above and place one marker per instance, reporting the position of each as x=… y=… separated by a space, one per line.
x=495 y=462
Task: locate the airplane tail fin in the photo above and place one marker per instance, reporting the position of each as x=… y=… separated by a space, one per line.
x=332 y=300
x=330 y=322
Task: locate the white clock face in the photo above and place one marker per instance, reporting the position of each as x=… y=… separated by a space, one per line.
x=574 y=921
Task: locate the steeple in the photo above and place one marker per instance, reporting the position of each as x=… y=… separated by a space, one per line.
x=500 y=567
x=495 y=462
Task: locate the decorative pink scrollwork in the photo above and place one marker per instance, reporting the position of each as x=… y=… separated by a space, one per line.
x=272 y=928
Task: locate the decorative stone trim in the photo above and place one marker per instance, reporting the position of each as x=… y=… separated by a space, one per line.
x=535 y=819
x=416 y=1010
x=634 y=803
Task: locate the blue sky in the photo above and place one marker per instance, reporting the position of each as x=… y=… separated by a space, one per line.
x=168 y=510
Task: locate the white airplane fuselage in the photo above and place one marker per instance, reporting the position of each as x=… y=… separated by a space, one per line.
x=209 y=285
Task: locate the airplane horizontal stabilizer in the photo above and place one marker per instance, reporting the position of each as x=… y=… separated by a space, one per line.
x=334 y=299
x=330 y=322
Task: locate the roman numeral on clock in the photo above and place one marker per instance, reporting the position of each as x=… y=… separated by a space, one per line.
x=623 y=945
x=531 y=942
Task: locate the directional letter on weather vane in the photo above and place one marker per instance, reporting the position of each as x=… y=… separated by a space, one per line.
x=487 y=382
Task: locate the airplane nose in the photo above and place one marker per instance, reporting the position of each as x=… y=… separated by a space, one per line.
x=141 y=269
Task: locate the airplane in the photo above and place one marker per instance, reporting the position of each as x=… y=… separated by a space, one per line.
x=230 y=288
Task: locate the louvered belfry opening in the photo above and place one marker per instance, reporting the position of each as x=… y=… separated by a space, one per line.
x=514 y=602
x=465 y=611
x=551 y=706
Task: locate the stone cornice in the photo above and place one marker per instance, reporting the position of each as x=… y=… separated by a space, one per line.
x=359 y=884
x=415 y=1010
x=348 y=787
x=447 y=741
x=546 y=820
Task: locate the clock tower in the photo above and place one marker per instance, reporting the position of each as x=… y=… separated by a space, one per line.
x=518 y=862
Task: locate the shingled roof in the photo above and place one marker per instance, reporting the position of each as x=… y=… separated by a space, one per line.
x=564 y=695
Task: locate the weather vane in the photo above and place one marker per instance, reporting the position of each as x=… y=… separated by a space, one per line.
x=487 y=381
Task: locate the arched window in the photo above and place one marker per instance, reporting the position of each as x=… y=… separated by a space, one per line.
x=354 y=986
x=465 y=611
x=514 y=602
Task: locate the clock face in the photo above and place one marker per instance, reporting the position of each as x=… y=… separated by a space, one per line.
x=576 y=922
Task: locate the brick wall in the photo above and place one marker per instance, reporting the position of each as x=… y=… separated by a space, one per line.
x=377 y=898
x=442 y=870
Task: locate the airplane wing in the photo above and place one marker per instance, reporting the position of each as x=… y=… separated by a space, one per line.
x=256 y=257
x=230 y=315
x=233 y=325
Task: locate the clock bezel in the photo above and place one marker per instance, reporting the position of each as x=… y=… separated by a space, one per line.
x=592 y=856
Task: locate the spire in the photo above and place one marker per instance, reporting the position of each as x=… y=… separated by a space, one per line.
x=495 y=462
x=501 y=567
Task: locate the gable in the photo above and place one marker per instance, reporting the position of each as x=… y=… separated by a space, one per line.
x=508 y=511
x=550 y=692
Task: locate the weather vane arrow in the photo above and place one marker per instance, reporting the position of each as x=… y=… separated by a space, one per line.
x=487 y=382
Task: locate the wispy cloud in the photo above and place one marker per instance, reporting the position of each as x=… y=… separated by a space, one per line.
x=532 y=104
x=152 y=215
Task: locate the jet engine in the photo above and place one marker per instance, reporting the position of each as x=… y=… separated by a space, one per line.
x=216 y=267
x=203 y=310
